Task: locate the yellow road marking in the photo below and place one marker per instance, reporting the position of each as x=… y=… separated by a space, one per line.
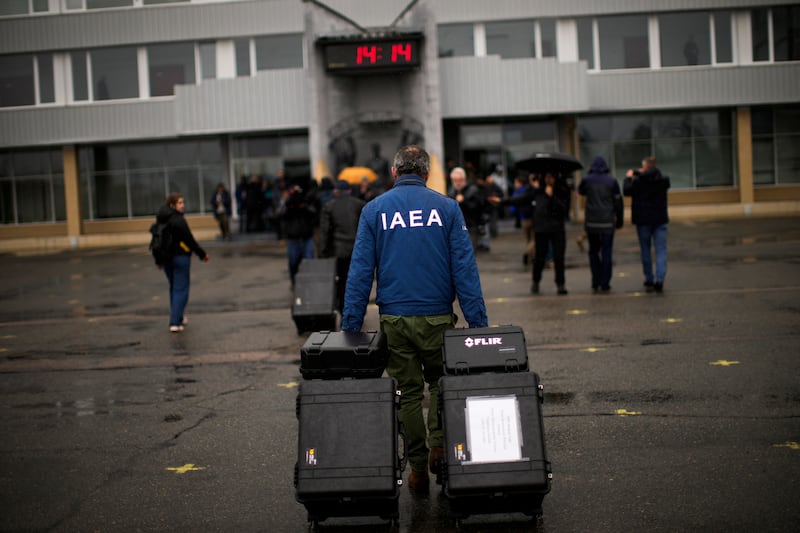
x=592 y=349
x=289 y=385
x=788 y=444
x=671 y=320
x=625 y=412
x=723 y=362
x=189 y=467
x=577 y=312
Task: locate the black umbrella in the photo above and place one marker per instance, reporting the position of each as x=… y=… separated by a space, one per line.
x=553 y=162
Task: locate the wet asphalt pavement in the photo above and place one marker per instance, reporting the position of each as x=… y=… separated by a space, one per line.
x=673 y=412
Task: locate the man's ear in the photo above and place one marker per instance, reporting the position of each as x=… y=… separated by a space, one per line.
x=394 y=173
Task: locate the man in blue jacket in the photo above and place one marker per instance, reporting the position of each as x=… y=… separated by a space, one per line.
x=414 y=241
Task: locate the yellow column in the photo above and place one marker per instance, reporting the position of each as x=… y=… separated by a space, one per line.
x=72 y=196
x=744 y=151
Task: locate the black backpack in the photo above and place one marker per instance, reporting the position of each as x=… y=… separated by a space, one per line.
x=161 y=242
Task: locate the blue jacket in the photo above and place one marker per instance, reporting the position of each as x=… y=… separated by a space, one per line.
x=415 y=242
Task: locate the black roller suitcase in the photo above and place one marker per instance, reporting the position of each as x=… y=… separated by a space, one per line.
x=342 y=354
x=490 y=349
x=314 y=303
x=348 y=463
x=495 y=457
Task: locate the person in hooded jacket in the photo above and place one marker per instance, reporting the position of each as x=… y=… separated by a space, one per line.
x=603 y=214
x=647 y=188
x=177 y=267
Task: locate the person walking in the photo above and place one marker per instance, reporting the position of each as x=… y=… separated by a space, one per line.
x=550 y=199
x=470 y=200
x=177 y=267
x=298 y=215
x=415 y=242
x=221 y=207
x=603 y=214
x=337 y=233
x=647 y=188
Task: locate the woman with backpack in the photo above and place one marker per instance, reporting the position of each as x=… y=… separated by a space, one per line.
x=177 y=245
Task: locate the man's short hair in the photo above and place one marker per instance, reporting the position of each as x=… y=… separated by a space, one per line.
x=458 y=170
x=649 y=162
x=412 y=159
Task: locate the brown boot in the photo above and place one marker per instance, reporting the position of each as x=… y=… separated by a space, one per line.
x=435 y=462
x=418 y=481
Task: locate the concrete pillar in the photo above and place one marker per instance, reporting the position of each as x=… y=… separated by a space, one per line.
x=744 y=151
x=72 y=196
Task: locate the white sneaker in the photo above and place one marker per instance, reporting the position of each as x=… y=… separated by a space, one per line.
x=176 y=329
x=184 y=321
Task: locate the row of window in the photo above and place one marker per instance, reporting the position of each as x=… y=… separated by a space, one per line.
x=635 y=41
x=610 y=42
x=28 y=7
x=115 y=73
x=696 y=149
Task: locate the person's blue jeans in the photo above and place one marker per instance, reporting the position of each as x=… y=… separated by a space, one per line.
x=177 y=271
x=298 y=249
x=600 y=260
x=653 y=237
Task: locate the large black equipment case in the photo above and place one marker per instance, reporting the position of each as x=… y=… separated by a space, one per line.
x=484 y=486
x=347 y=456
x=490 y=349
x=342 y=354
x=314 y=303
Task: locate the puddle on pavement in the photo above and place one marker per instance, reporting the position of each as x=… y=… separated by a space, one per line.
x=558 y=398
x=77 y=408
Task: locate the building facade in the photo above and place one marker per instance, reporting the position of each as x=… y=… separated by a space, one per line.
x=108 y=105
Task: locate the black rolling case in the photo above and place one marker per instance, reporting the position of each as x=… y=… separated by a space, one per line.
x=347 y=456
x=341 y=354
x=495 y=458
x=314 y=303
x=491 y=349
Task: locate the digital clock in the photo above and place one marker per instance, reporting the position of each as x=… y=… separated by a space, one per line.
x=397 y=53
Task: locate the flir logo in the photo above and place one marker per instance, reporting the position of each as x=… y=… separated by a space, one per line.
x=469 y=342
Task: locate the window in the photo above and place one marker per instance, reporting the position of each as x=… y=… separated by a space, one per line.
x=123 y=181
x=80 y=80
x=696 y=149
x=16 y=81
x=786 y=27
x=208 y=61
x=548 y=36
x=759 y=21
x=31 y=187
x=102 y=4
x=114 y=73
x=624 y=42
x=170 y=65
x=685 y=39
x=511 y=39
x=586 y=41
x=279 y=51
x=776 y=145
x=456 y=40
x=242 y=57
x=13 y=7
x=723 y=37
x=44 y=63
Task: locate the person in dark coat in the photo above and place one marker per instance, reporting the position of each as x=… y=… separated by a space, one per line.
x=603 y=213
x=647 y=188
x=221 y=207
x=298 y=214
x=337 y=233
x=471 y=202
x=550 y=199
x=177 y=267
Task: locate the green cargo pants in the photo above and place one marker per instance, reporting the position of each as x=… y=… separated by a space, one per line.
x=415 y=358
